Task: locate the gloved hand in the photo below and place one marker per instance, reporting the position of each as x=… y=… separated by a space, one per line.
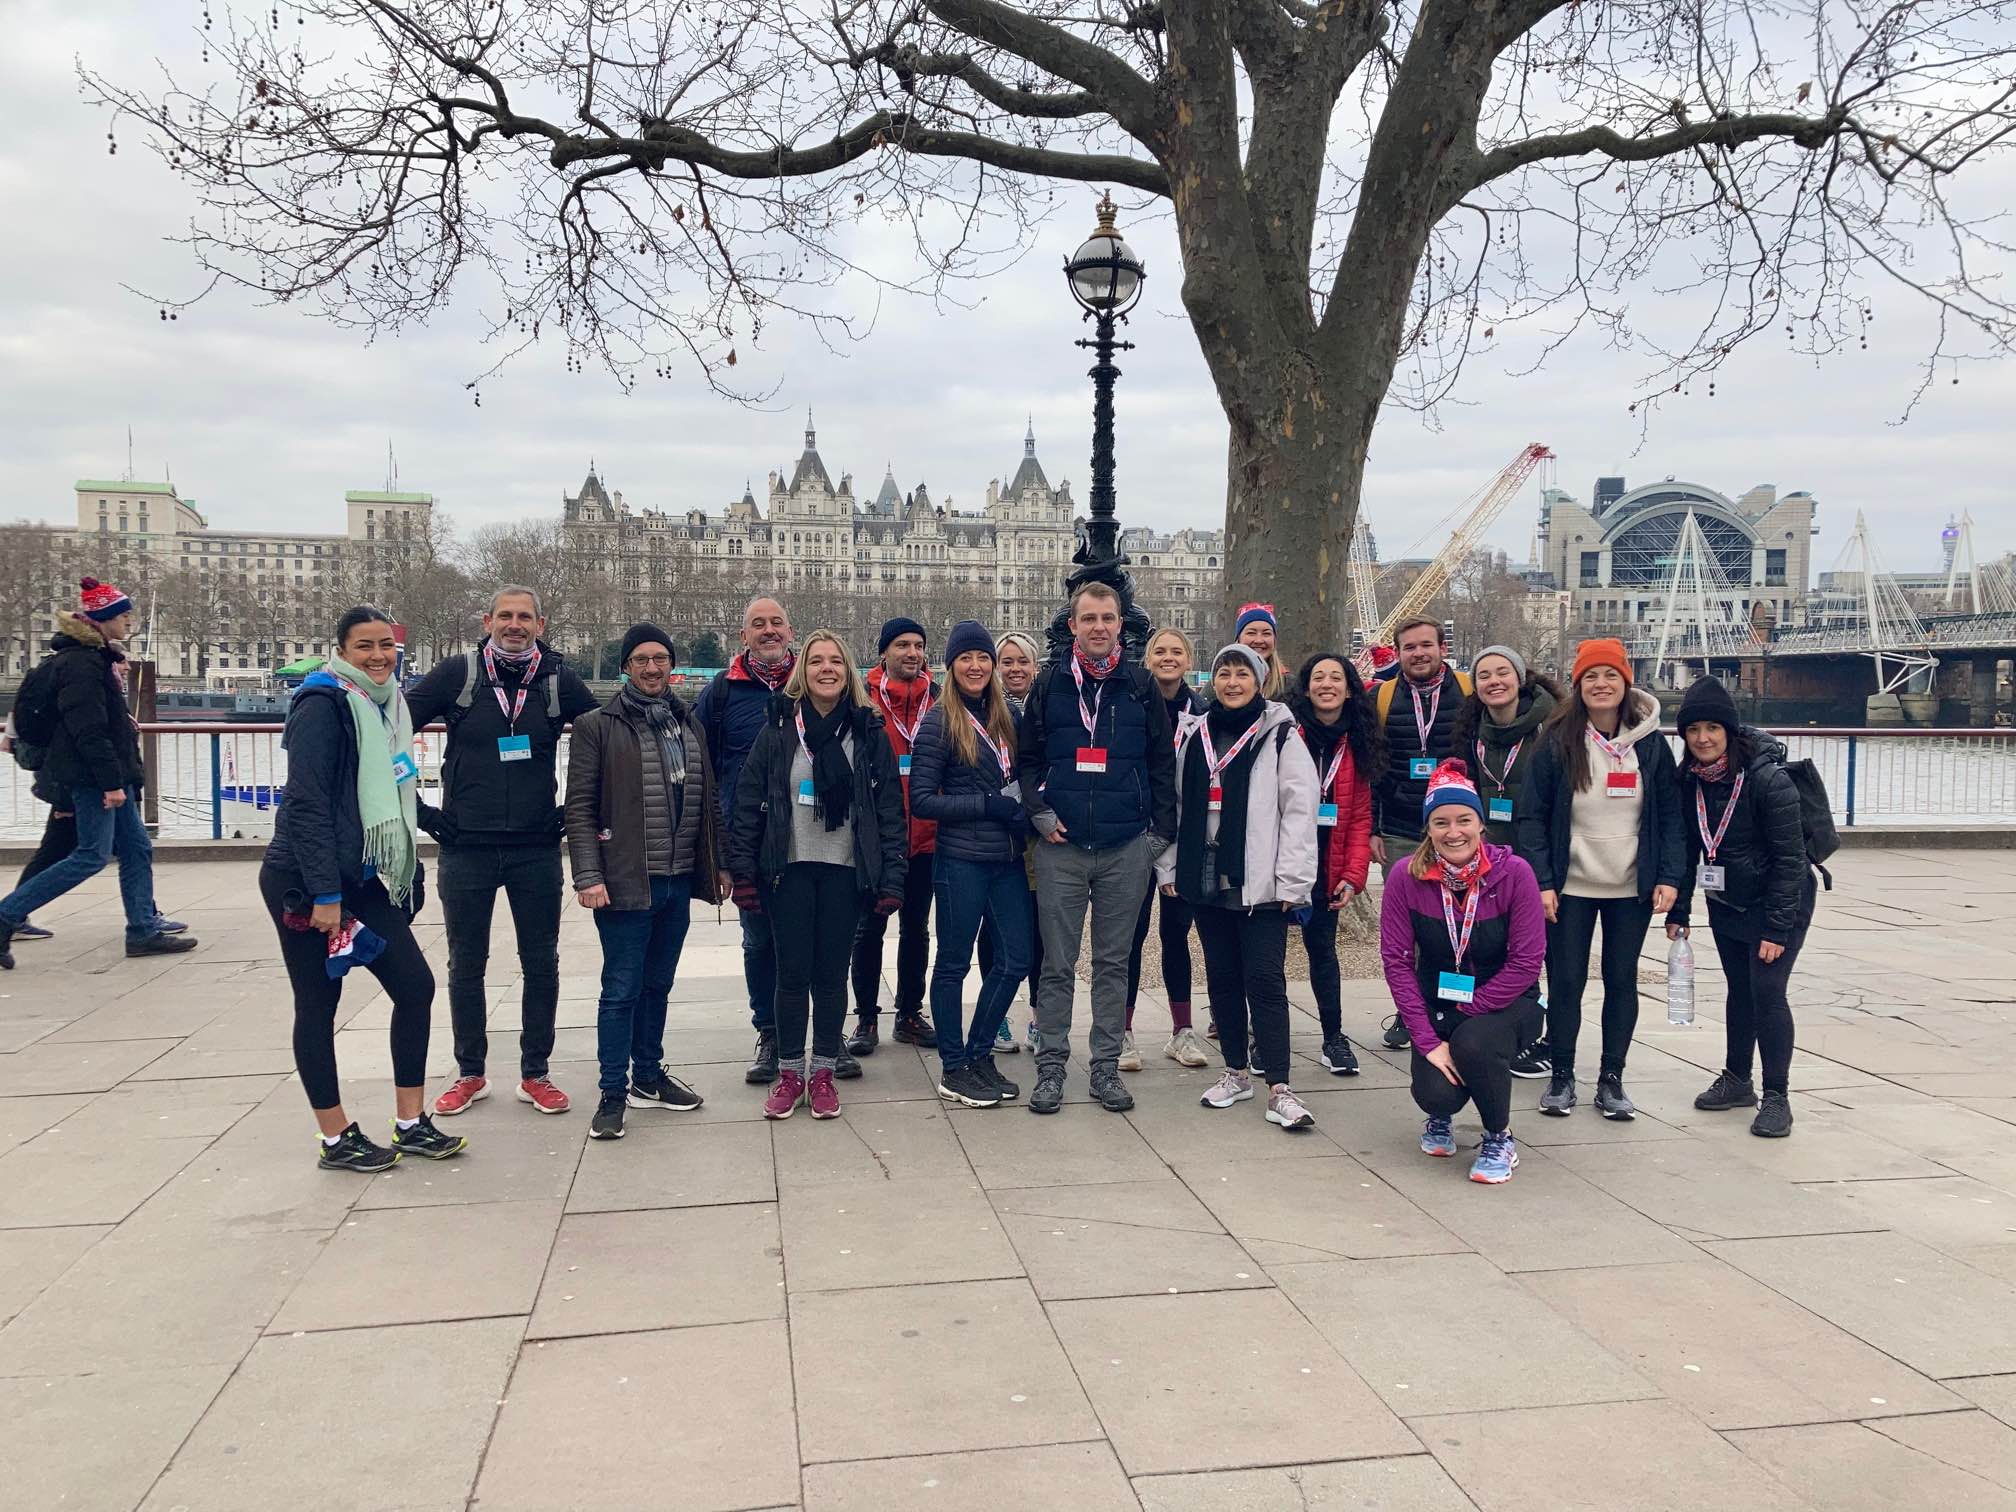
x=887 y=906
x=744 y=896
x=1002 y=809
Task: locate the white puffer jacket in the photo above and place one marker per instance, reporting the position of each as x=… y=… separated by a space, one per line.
x=1280 y=815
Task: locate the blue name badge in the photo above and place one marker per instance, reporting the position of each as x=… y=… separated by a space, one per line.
x=1326 y=813
x=903 y=765
x=805 y=793
x=404 y=770
x=1422 y=767
x=514 y=747
x=1455 y=987
x=1501 y=810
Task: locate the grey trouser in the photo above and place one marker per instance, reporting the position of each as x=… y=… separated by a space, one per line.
x=1113 y=882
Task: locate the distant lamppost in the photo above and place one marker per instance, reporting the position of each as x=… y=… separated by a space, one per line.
x=1105 y=279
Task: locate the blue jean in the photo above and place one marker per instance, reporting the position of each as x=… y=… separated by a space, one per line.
x=102 y=833
x=640 y=954
x=967 y=892
x=759 y=970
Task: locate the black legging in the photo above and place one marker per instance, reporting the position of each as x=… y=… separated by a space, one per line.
x=1758 y=1014
x=815 y=906
x=1625 y=921
x=913 y=947
x=986 y=951
x=400 y=969
x=1245 y=969
x=1174 y=930
x=59 y=838
x=1482 y=1047
x=1319 y=939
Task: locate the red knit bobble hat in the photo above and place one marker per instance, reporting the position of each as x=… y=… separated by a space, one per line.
x=1450 y=783
x=101 y=601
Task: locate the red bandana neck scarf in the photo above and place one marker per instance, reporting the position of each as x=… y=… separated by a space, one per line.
x=772 y=675
x=1459 y=879
x=1713 y=771
x=1099 y=668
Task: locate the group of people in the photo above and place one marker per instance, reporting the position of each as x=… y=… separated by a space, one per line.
x=1025 y=795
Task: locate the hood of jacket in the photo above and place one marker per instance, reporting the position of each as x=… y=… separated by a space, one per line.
x=1640 y=716
x=79 y=631
x=1534 y=709
x=1281 y=815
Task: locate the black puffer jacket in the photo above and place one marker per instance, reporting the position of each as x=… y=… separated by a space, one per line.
x=759 y=840
x=955 y=794
x=318 y=834
x=1768 y=890
x=96 y=745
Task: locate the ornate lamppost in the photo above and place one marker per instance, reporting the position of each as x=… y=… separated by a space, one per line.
x=1105 y=278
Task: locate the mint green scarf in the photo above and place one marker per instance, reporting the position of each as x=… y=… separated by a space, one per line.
x=383 y=726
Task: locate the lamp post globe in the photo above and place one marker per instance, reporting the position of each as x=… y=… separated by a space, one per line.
x=1105 y=278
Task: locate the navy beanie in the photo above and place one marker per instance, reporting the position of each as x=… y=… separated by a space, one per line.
x=1707 y=700
x=968 y=635
x=901 y=625
x=642 y=634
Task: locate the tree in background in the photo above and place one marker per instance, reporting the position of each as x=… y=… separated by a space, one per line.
x=531 y=552
x=34 y=576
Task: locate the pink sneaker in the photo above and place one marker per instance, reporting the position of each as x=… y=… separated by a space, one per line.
x=786 y=1095
x=467 y=1090
x=543 y=1095
x=824 y=1097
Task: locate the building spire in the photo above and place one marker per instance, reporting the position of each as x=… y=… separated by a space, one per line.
x=1029 y=438
x=811 y=442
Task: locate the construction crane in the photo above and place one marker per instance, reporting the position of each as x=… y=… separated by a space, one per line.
x=1465 y=527
x=1364 y=582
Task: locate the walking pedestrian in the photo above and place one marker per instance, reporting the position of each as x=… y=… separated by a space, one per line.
x=964 y=779
x=1016 y=656
x=1335 y=714
x=1170 y=657
x=819 y=838
x=1098 y=782
x=342 y=882
x=731 y=711
x=90 y=759
x=1497 y=732
x=643 y=836
x=900 y=691
x=1245 y=862
x=1419 y=731
x=1599 y=822
x=1256 y=626
x=1746 y=856
x=499 y=826
x=1462 y=937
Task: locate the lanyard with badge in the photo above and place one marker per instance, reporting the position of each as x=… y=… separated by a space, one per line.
x=806 y=797
x=1422 y=767
x=512 y=746
x=1214 y=763
x=1459 y=986
x=404 y=768
x=1010 y=786
x=908 y=733
x=1709 y=875
x=1091 y=758
x=1326 y=813
x=1499 y=809
x=1617 y=784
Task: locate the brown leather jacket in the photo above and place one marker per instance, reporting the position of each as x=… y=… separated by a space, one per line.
x=605 y=808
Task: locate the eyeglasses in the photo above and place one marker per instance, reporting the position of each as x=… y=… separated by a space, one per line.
x=650 y=661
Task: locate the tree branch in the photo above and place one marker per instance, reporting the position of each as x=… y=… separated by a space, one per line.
x=1125 y=95
x=1810 y=132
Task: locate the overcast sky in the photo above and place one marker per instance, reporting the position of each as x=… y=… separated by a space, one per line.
x=265 y=415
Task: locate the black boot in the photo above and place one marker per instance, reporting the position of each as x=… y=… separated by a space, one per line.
x=763 y=1069
x=866 y=1036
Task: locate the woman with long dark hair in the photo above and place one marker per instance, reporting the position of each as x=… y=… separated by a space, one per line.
x=342 y=881
x=1335 y=715
x=1599 y=822
x=1746 y=855
x=819 y=835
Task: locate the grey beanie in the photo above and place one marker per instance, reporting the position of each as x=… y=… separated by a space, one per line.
x=1518 y=661
x=1248 y=654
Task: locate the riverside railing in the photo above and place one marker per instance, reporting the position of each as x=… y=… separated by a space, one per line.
x=221 y=781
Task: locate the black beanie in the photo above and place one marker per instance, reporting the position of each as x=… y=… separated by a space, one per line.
x=640 y=634
x=900 y=625
x=1707 y=700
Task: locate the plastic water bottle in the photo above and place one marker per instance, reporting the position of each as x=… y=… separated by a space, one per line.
x=1680 y=984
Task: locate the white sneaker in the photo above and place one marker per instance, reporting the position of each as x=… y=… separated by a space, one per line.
x=1186 y=1048
x=1285 y=1109
x=1233 y=1086
x=1130 y=1058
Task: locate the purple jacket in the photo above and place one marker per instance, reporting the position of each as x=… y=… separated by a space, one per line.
x=1508 y=944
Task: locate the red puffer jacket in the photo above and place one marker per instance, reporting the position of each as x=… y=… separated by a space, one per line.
x=1349 y=845
x=903 y=707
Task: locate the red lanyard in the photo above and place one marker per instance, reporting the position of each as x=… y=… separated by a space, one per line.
x=1213 y=762
x=1461 y=943
x=1007 y=764
x=1499 y=778
x=923 y=707
x=516 y=706
x=1713 y=842
x=1617 y=750
x=1423 y=727
x=798 y=714
x=1090 y=721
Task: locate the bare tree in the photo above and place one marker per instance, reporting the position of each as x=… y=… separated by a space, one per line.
x=34 y=573
x=1363 y=193
x=531 y=552
x=195 y=611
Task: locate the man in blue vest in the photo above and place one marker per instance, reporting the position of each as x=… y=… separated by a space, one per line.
x=1098 y=775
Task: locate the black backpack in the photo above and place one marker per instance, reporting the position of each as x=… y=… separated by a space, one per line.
x=472 y=664
x=34 y=717
x=1816 y=816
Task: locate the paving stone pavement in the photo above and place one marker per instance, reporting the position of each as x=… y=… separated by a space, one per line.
x=914 y=1307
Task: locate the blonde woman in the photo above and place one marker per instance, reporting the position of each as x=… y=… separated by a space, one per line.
x=1016 y=659
x=963 y=777
x=819 y=835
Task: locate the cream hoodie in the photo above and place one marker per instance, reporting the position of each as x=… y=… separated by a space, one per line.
x=1603 y=831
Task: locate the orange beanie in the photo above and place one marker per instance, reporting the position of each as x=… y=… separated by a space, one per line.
x=1602 y=652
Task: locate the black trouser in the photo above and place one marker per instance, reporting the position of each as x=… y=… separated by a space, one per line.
x=986 y=951
x=1758 y=1015
x=1482 y=1047
x=1245 y=971
x=820 y=901
x=1173 y=932
x=1625 y=921
x=1319 y=939
x=467 y=882
x=913 y=947
x=59 y=838
x=401 y=970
